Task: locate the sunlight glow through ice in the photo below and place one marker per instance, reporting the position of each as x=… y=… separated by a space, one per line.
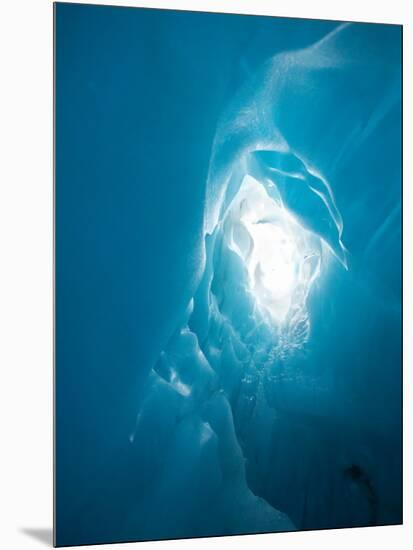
x=278 y=253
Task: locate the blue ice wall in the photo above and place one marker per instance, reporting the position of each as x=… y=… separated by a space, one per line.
x=176 y=413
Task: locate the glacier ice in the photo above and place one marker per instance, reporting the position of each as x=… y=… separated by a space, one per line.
x=232 y=380
x=228 y=274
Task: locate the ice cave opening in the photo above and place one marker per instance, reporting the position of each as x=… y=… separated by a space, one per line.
x=282 y=259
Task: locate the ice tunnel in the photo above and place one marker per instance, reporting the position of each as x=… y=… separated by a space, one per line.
x=260 y=393
x=249 y=315
x=228 y=276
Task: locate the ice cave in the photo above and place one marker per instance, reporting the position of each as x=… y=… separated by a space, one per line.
x=229 y=320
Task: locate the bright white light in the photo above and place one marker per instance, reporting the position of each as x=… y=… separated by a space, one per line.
x=272 y=264
x=278 y=253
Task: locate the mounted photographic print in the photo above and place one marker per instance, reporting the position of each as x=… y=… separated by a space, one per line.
x=228 y=271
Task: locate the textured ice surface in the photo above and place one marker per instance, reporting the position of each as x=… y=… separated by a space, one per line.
x=228 y=275
x=258 y=405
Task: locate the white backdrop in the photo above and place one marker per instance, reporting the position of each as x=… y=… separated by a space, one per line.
x=26 y=272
